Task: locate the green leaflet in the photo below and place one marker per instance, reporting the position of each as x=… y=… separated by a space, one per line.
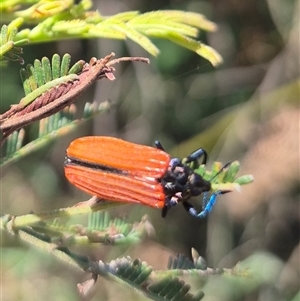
x=43 y=75
x=56 y=66
x=39 y=91
x=47 y=69
x=136 y=36
x=9 y=48
x=59 y=22
x=176 y=16
x=204 y=50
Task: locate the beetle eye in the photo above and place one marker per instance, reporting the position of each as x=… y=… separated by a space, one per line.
x=174 y=162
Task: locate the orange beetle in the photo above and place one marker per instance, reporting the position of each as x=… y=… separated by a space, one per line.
x=116 y=170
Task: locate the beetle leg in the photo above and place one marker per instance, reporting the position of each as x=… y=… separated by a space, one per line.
x=208 y=205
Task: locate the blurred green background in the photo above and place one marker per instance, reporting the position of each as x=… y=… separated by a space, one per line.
x=247 y=109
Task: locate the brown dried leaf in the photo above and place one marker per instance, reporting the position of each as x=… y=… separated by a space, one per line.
x=57 y=98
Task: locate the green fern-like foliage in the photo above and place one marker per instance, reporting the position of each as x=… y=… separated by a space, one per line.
x=10 y=46
x=57 y=20
x=152 y=284
x=57 y=237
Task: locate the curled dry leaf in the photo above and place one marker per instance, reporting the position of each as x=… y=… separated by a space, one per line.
x=61 y=93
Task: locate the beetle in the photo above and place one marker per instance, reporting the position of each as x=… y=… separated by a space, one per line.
x=116 y=170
